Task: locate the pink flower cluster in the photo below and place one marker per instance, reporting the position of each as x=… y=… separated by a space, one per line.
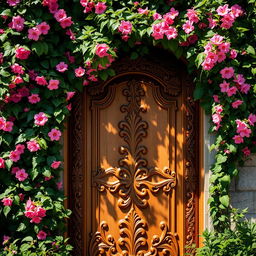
x=229 y=15
x=126 y=29
x=34 y=212
x=41 y=235
x=216 y=52
x=2 y=163
x=35 y=32
x=217 y=117
x=88 y=5
x=15 y=154
x=192 y=18
x=164 y=27
x=243 y=130
x=238 y=84
x=59 y=14
x=6 y=126
x=52 y=85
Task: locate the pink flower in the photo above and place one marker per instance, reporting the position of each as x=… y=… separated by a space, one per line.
x=40 y=80
x=171 y=33
x=54 y=134
x=245 y=88
x=41 y=235
x=246 y=151
x=212 y=23
x=227 y=72
x=237 y=103
x=21 y=175
x=252 y=119
x=188 y=27
x=2 y=163
x=217 y=39
x=18 y=80
x=125 y=27
x=70 y=95
x=13 y=2
x=17 y=23
x=33 y=146
x=34 y=98
x=79 y=72
x=5 y=239
x=2 y=123
x=223 y=10
x=62 y=67
x=243 y=129
x=55 y=164
x=218 y=109
x=192 y=15
x=224 y=86
x=60 y=15
x=233 y=54
x=14 y=156
x=239 y=78
x=7 y=201
x=100 y=8
x=231 y=91
x=216 y=98
x=101 y=50
x=20 y=148
x=236 y=10
x=224 y=47
x=14 y=170
x=22 y=53
x=157 y=16
x=216 y=118
x=18 y=69
x=66 y=22
x=53 y=84
x=35 y=213
x=238 y=139
x=34 y=33
x=8 y=126
x=40 y=119
x=221 y=56
x=143 y=11
x=158 y=32
x=43 y=28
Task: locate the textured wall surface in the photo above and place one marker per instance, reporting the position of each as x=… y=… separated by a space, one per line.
x=243 y=189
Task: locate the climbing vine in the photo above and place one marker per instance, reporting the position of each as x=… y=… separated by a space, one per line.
x=50 y=51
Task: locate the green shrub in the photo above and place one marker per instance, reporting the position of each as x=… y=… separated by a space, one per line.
x=240 y=240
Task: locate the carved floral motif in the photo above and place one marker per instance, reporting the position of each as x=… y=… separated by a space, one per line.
x=133 y=239
x=133 y=177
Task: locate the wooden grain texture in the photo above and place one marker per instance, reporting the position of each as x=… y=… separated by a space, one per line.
x=134 y=163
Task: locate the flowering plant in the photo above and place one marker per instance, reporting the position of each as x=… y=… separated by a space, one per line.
x=39 y=75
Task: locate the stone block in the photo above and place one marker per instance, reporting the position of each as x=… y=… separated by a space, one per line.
x=247 y=179
x=244 y=200
x=251 y=161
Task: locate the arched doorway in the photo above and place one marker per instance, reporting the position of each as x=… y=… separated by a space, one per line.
x=133 y=162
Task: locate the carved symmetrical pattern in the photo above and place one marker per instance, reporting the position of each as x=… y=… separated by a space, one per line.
x=133 y=239
x=133 y=178
x=191 y=175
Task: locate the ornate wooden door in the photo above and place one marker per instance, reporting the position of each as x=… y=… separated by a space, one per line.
x=133 y=188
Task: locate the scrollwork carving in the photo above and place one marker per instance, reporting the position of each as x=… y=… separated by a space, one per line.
x=133 y=239
x=133 y=178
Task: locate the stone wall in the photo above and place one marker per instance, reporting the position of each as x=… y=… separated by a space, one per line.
x=243 y=189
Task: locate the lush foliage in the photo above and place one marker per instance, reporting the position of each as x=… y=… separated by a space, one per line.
x=39 y=74
x=240 y=240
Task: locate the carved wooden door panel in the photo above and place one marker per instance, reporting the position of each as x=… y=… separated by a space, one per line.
x=136 y=193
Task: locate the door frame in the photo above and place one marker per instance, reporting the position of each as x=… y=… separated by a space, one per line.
x=193 y=195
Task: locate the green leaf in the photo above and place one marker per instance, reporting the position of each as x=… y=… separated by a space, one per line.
x=27 y=239
x=4 y=73
x=21 y=227
x=225 y=180
x=47 y=172
x=24 y=247
x=42 y=143
x=221 y=159
x=250 y=50
x=6 y=210
x=6 y=12
x=199 y=59
x=225 y=200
